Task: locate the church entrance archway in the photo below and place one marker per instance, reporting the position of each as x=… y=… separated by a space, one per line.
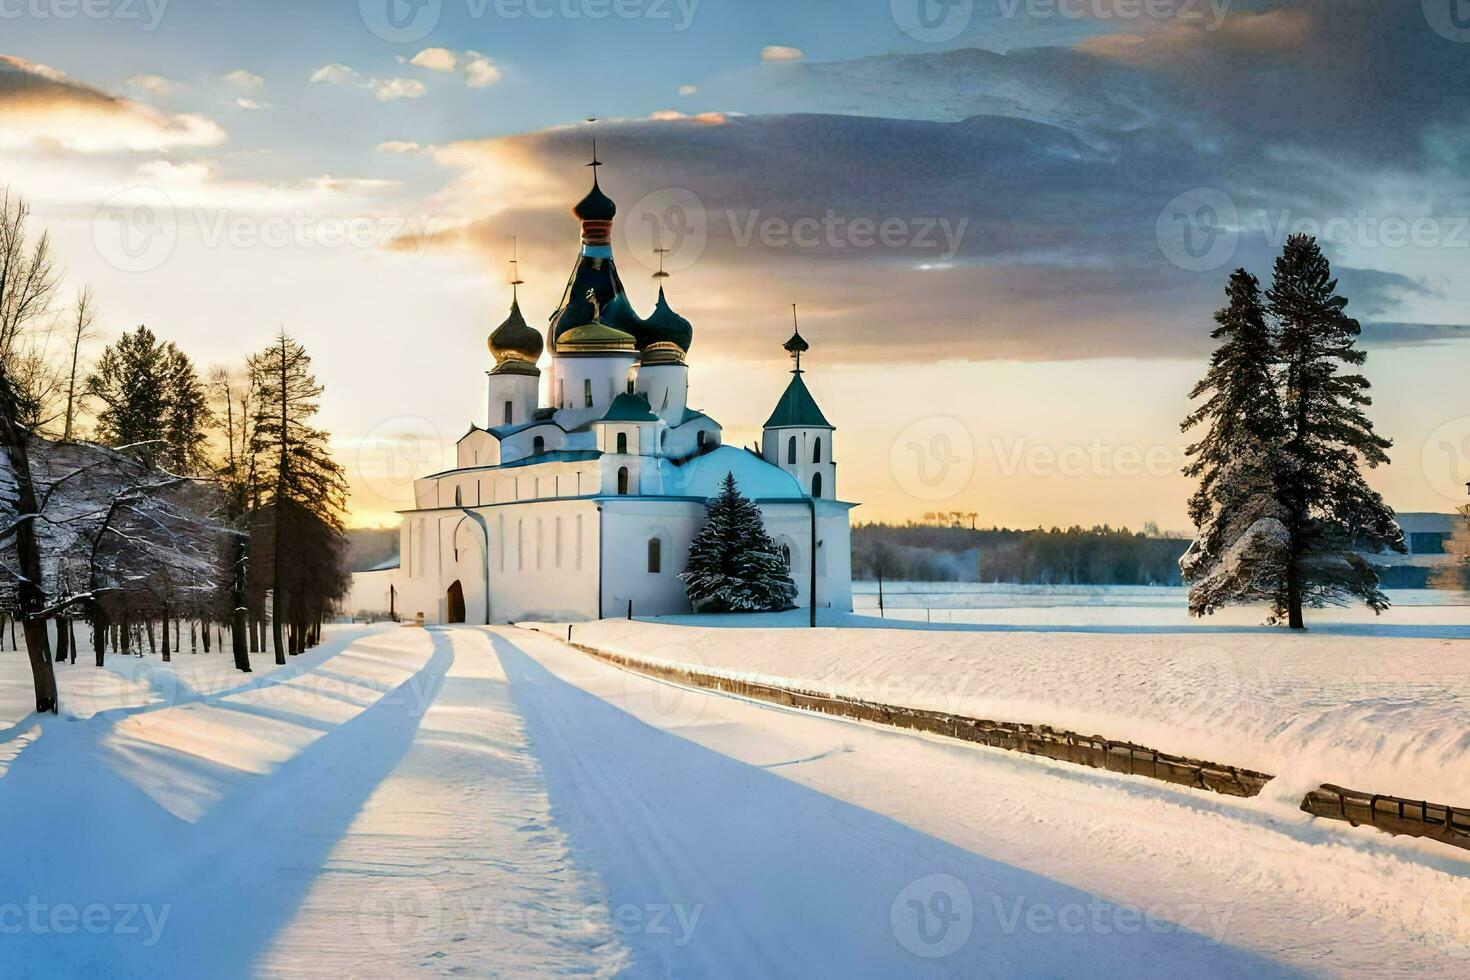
x=454 y=611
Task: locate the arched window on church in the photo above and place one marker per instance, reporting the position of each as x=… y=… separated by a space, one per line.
x=817 y=450
x=699 y=439
x=622 y=442
x=509 y=413
x=786 y=555
x=538 y=445
x=458 y=497
x=622 y=481
x=816 y=484
x=655 y=556
x=791 y=450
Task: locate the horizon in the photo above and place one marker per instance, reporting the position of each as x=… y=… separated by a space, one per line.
x=1006 y=233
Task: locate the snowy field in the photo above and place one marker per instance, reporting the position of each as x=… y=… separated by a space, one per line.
x=474 y=801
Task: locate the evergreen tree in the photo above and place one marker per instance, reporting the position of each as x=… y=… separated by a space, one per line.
x=150 y=393
x=1329 y=509
x=734 y=566
x=298 y=539
x=1239 y=554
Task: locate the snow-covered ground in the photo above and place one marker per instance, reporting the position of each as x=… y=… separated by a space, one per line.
x=1381 y=706
x=490 y=802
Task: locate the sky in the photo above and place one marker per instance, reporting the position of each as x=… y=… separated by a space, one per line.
x=1006 y=223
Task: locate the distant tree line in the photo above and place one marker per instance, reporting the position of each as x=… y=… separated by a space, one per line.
x=207 y=501
x=937 y=552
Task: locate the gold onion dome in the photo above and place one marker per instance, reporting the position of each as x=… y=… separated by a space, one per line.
x=515 y=345
x=595 y=338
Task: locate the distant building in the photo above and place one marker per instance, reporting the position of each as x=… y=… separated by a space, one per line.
x=1426 y=536
x=585 y=507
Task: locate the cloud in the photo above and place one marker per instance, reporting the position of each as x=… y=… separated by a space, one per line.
x=436 y=59
x=989 y=237
x=478 y=70
x=481 y=72
x=399 y=147
x=152 y=84
x=780 y=52
x=245 y=80
x=386 y=89
x=42 y=108
x=687 y=90
x=389 y=89
x=251 y=104
x=335 y=74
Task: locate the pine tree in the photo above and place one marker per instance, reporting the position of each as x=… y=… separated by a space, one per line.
x=1239 y=553
x=734 y=566
x=297 y=535
x=1329 y=508
x=150 y=393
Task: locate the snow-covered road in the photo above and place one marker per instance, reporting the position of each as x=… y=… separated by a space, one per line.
x=490 y=802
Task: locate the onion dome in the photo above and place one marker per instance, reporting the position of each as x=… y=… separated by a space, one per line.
x=619 y=313
x=595 y=338
x=596 y=211
x=668 y=334
x=515 y=345
x=596 y=206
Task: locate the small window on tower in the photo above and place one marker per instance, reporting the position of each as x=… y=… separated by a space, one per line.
x=587 y=392
x=791 y=450
x=622 y=442
x=700 y=438
x=538 y=445
x=817 y=451
x=655 y=556
x=508 y=413
x=622 y=481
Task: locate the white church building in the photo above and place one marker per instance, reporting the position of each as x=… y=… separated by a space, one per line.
x=584 y=508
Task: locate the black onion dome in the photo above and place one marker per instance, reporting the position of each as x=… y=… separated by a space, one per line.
x=666 y=325
x=515 y=340
x=619 y=313
x=596 y=206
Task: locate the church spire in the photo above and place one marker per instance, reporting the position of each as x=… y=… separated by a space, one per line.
x=797 y=345
x=515 y=345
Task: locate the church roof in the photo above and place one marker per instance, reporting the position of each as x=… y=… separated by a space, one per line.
x=629 y=408
x=664 y=325
x=797 y=408
x=596 y=206
x=595 y=338
x=515 y=344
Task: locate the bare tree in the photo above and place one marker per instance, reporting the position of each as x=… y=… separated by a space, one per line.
x=28 y=281
x=81 y=330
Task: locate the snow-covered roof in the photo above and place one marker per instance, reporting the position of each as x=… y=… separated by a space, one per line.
x=757 y=479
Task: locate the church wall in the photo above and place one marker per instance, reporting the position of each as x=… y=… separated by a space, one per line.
x=790 y=524
x=543 y=561
x=683 y=442
x=628 y=527
x=776 y=449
